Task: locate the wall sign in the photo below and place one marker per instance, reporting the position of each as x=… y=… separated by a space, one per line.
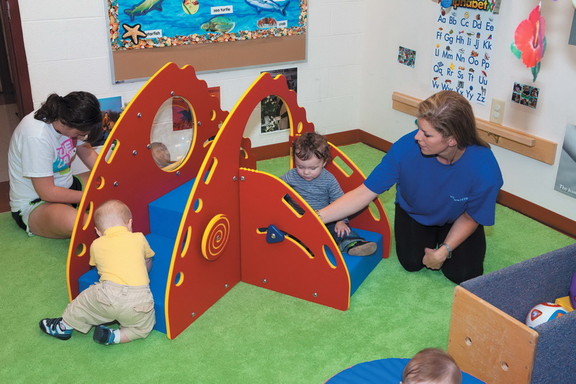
x=464 y=41
x=566 y=177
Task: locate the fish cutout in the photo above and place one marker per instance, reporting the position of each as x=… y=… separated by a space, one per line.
x=268 y=5
x=143 y=8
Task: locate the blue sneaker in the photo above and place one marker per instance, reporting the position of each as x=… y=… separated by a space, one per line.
x=103 y=335
x=55 y=327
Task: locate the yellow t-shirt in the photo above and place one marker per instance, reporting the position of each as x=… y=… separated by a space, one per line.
x=120 y=256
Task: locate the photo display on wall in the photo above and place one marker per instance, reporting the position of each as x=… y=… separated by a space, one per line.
x=464 y=42
x=274 y=115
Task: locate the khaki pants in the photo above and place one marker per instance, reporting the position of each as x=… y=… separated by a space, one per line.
x=105 y=302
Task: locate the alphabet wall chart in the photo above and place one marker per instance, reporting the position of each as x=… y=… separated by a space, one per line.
x=464 y=40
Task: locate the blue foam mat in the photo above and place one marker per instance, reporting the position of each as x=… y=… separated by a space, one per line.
x=382 y=371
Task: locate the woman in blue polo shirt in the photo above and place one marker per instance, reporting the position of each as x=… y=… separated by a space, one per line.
x=447 y=180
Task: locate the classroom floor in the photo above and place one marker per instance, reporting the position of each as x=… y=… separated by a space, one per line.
x=251 y=335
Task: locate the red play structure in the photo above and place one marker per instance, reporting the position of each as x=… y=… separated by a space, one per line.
x=235 y=223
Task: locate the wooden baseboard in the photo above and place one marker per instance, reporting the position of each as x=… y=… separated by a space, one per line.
x=518 y=204
x=538 y=213
x=525 y=207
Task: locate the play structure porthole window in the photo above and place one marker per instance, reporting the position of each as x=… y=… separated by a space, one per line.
x=172 y=133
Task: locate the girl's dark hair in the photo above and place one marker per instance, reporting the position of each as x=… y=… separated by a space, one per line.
x=78 y=110
x=311 y=144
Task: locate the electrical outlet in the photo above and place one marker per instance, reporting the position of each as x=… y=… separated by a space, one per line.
x=497 y=111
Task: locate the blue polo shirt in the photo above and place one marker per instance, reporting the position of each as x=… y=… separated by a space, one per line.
x=433 y=193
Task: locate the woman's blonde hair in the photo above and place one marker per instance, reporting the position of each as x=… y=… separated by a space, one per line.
x=451 y=114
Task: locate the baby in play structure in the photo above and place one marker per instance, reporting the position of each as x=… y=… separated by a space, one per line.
x=319 y=188
x=161 y=156
x=123 y=259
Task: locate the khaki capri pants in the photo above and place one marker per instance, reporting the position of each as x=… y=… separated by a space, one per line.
x=105 y=302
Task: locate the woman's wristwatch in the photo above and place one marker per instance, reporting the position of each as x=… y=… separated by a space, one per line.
x=448 y=248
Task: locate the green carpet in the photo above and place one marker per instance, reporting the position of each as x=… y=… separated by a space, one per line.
x=251 y=335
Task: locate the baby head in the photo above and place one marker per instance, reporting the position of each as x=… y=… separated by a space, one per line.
x=112 y=213
x=160 y=154
x=432 y=366
x=311 y=153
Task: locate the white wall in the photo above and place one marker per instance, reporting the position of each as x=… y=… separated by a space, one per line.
x=67 y=49
x=349 y=77
x=412 y=23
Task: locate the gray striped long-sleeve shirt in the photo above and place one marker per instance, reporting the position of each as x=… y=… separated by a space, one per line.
x=318 y=192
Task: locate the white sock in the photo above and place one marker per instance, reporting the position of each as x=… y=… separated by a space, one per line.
x=65 y=325
x=116 y=336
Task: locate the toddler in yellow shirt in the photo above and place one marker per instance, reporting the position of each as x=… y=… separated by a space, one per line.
x=123 y=259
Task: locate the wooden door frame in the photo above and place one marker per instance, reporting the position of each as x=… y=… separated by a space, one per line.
x=12 y=25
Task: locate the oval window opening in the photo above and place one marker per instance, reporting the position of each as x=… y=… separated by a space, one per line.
x=172 y=133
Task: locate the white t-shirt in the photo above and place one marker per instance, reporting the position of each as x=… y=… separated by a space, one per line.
x=37 y=150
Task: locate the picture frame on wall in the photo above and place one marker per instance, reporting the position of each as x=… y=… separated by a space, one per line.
x=274 y=116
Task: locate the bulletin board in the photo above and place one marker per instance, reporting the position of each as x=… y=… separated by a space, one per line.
x=207 y=34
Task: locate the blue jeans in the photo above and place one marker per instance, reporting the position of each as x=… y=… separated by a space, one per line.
x=345 y=241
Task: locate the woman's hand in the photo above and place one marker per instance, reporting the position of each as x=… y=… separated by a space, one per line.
x=435 y=258
x=462 y=228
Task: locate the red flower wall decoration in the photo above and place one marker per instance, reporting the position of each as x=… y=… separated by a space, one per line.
x=530 y=41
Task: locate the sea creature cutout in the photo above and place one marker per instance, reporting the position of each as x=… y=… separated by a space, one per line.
x=133 y=32
x=530 y=41
x=268 y=5
x=143 y=8
x=269 y=22
x=220 y=24
x=190 y=7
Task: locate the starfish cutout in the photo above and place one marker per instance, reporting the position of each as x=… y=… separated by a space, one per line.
x=133 y=32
